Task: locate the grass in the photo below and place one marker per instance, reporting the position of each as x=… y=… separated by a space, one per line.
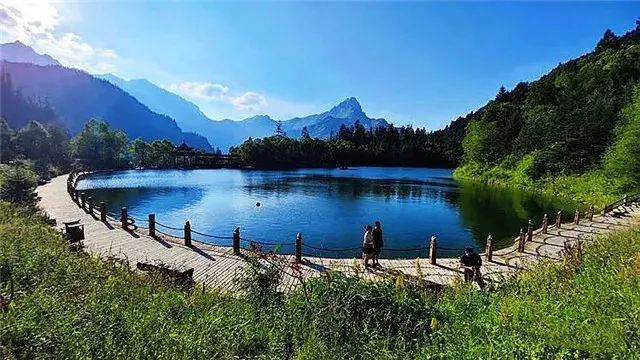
x=593 y=187
x=71 y=305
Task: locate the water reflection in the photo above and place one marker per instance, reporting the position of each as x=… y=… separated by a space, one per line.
x=165 y=198
x=501 y=213
x=329 y=207
x=350 y=187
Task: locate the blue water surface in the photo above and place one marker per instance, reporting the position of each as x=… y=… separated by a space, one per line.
x=329 y=207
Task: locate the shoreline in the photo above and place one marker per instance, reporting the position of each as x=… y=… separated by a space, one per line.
x=215 y=266
x=501 y=241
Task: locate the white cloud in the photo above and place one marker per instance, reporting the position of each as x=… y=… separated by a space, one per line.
x=220 y=101
x=250 y=101
x=200 y=90
x=34 y=23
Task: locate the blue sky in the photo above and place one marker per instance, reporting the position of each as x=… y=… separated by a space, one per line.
x=412 y=63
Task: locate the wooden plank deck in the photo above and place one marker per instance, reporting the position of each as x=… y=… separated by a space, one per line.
x=217 y=267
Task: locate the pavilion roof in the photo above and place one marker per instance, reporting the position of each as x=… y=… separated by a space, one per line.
x=184 y=147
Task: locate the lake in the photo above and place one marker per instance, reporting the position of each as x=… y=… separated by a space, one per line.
x=329 y=207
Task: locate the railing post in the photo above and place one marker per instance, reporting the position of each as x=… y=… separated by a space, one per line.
x=77 y=196
x=124 y=218
x=187 y=234
x=152 y=225
x=433 y=249
x=521 y=241
x=90 y=205
x=83 y=200
x=545 y=223
x=591 y=210
x=559 y=219
x=298 y=247
x=529 y=231
x=489 y=249
x=576 y=217
x=103 y=211
x=604 y=210
x=236 y=241
x=626 y=199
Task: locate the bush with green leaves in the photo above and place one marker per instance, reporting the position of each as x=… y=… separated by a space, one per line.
x=17 y=184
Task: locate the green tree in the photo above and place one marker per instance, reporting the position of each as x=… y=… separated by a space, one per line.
x=17 y=184
x=304 y=135
x=33 y=141
x=622 y=161
x=100 y=147
x=140 y=152
x=7 y=151
x=609 y=40
x=59 y=147
x=478 y=141
x=161 y=153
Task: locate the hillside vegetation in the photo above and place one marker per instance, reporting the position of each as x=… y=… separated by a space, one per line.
x=70 y=305
x=573 y=132
x=353 y=146
x=73 y=97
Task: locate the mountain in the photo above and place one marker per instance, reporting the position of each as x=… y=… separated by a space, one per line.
x=571 y=121
x=322 y=125
x=226 y=133
x=185 y=113
x=76 y=96
x=143 y=109
x=18 y=111
x=223 y=133
x=21 y=53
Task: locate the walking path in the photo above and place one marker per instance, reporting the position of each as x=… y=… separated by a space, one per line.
x=217 y=267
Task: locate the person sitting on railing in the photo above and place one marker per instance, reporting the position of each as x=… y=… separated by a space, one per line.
x=367 y=245
x=471 y=263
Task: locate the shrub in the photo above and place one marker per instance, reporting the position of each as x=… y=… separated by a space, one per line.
x=17 y=184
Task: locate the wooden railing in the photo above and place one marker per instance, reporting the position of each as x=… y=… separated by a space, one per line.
x=626 y=200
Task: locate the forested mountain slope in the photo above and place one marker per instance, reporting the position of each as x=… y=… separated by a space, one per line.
x=565 y=123
x=76 y=97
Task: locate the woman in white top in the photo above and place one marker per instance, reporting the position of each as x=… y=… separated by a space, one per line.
x=367 y=245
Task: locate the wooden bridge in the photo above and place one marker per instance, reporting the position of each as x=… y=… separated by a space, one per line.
x=218 y=266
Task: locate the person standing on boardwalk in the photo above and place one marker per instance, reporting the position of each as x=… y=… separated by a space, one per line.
x=367 y=245
x=471 y=263
x=377 y=243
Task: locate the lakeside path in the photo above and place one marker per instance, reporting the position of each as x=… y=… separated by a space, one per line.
x=217 y=267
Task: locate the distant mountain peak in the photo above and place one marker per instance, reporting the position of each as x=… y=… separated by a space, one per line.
x=347 y=109
x=18 y=52
x=263 y=116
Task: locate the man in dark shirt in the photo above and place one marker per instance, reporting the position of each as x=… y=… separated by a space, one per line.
x=471 y=263
x=377 y=243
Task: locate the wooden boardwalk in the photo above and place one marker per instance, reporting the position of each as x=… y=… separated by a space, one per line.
x=217 y=267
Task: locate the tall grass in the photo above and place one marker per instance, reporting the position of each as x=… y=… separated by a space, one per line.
x=593 y=187
x=70 y=305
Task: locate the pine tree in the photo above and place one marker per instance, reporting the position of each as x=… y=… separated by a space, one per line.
x=279 y=130
x=305 y=134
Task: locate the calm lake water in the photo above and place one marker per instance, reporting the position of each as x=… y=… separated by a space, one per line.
x=328 y=206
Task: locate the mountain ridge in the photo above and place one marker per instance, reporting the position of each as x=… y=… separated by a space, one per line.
x=190 y=119
x=76 y=96
x=21 y=53
x=226 y=133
